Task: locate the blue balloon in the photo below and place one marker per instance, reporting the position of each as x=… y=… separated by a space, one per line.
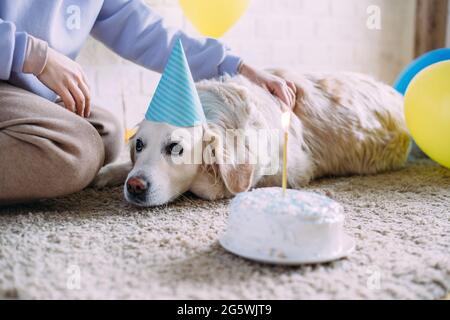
x=418 y=65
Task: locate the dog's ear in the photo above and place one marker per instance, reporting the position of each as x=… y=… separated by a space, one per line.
x=236 y=177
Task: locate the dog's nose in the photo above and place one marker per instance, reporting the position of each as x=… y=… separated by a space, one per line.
x=137 y=185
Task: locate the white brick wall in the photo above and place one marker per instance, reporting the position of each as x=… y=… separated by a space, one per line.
x=295 y=34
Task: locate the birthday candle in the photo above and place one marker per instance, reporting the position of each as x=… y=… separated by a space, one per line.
x=285 y=121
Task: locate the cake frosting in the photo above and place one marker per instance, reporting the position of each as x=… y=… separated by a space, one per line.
x=298 y=223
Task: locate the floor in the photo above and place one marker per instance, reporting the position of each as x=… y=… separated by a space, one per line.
x=94 y=245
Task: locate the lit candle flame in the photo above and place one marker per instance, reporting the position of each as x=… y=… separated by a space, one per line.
x=285 y=120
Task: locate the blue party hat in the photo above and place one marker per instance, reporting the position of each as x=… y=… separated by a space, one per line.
x=176 y=100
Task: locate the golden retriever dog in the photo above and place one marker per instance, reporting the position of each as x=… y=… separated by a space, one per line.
x=342 y=124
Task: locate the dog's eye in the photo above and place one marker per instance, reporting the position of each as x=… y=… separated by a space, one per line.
x=174 y=149
x=139 y=145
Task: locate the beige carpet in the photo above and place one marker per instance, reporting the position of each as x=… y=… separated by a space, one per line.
x=94 y=245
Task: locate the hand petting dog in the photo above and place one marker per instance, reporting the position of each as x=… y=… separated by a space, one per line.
x=283 y=89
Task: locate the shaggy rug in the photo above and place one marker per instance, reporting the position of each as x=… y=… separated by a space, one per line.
x=94 y=245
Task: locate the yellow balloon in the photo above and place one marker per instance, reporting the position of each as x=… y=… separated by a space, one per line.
x=427 y=111
x=214 y=17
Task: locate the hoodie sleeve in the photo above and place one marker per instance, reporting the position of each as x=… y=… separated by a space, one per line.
x=13 y=47
x=137 y=33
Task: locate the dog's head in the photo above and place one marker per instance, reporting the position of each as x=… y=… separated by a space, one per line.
x=169 y=161
x=160 y=172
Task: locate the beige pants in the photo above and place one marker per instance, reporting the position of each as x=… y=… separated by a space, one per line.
x=47 y=151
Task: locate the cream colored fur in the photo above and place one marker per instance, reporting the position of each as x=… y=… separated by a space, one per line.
x=344 y=124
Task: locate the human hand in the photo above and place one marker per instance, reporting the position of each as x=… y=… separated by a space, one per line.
x=284 y=90
x=66 y=78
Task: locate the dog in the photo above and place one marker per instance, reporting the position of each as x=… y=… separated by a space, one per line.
x=342 y=124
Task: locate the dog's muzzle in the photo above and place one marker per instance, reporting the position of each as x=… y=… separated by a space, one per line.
x=137 y=186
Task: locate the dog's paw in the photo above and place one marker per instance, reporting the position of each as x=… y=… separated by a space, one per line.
x=111 y=176
x=103 y=179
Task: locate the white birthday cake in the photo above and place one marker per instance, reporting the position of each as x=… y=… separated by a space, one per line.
x=264 y=223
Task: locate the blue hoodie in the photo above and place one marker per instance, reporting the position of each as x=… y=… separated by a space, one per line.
x=128 y=27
